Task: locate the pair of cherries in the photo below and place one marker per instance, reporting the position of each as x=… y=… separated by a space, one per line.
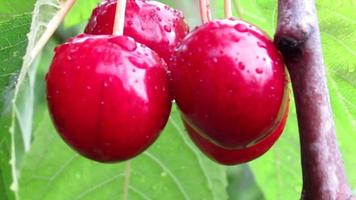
x=110 y=96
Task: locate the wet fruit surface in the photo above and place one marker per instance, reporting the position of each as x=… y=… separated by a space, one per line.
x=108 y=96
x=233 y=157
x=228 y=80
x=149 y=22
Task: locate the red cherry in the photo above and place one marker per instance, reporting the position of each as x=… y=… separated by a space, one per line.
x=108 y=96
x=228 y=80
x=233 y=157
x=152 y=23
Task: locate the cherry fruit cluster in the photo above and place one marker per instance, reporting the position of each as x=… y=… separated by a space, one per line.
x=110 y=96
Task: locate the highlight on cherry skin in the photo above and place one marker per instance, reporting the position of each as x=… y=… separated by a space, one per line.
x=99 y=88
x=233 y=157
x=152 y=23
x=229 y=81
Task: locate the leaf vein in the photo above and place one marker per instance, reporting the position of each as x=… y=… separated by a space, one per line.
x=165 y=168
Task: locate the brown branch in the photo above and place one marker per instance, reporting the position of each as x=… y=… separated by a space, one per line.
x=298 y=38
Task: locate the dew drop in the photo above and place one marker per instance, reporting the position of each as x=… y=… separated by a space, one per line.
x=241 y=65
x=167 y=28
x=260 y=44
x=241 y=27
x=215 y=60
x=235 y=39
x=259 y=71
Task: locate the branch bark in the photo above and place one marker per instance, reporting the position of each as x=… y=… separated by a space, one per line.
x=298 y=38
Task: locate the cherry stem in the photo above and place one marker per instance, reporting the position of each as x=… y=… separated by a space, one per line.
x=237 y=8
x=227 y=8
x=298 y=38
x=205 y=13
x=119 y=18
x=51 y=28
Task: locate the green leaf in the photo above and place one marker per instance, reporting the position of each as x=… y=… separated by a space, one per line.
x=338 y=32
x=9 y=9
x=171 y=169
x=242 y=184
x=12 y=47
x=80 y=12
x=17 y=86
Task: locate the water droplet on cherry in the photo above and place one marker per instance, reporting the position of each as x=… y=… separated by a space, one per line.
x=259 y=70
x=167 y=28
x=241 y=27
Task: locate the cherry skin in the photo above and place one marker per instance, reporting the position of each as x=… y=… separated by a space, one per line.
x=149 y=22
x=228 y=80
x=238 y=156
x=108 y=96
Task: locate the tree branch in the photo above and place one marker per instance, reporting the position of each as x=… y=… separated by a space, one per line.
x=298 y=38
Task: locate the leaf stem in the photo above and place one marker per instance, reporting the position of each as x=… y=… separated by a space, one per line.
x=205 y=13
x=119 y=18
x=227 y=9
x=51 y=28
x=298 y=38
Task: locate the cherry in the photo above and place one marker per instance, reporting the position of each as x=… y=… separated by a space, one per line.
x=229 y=81
x=149 y=22
x=238 y=156
x=107 y=96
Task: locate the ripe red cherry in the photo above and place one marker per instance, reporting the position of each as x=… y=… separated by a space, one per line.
x=108 y=96
x=238 y=156
x=149 y=22
x=228 y=80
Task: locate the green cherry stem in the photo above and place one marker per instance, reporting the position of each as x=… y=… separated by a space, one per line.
x=227 y=8
x=119 y=18
x=205 y=14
